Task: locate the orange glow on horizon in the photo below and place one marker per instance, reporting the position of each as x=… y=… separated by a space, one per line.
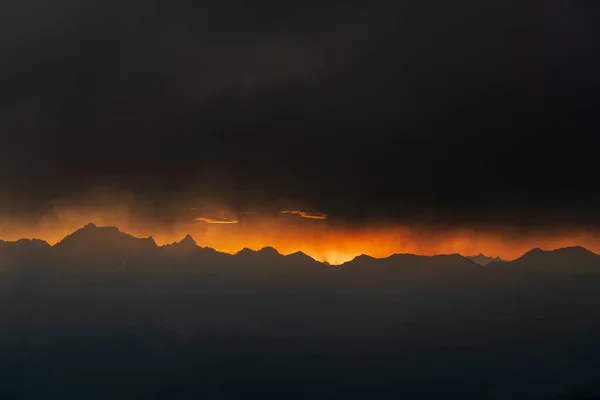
x=316 y=237
x=288 y=231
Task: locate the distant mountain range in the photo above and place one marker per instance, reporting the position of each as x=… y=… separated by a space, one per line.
x=119 y=317
x=92 y=240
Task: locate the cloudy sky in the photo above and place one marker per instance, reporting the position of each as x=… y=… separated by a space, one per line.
x=463 y=114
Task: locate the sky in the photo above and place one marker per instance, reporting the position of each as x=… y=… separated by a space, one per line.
x=425 y=117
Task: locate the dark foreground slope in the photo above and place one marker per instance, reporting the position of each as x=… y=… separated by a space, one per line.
x=104 y=315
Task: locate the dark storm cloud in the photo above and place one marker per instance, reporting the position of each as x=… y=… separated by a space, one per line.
x=419 y=111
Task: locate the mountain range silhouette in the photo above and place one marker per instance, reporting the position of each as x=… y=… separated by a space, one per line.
x=110 y=242
x=103 y=314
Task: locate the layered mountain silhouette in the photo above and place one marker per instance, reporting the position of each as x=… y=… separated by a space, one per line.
x=93 y=241
x=103 y=314
x=484 y=260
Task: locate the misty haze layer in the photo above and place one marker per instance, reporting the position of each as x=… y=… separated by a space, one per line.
x=105 y=315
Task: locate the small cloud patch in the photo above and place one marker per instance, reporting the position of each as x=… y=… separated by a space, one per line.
x=225 y=221
x=305 y=214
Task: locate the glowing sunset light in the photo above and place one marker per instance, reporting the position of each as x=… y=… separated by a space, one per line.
x=305 y=214
x=334 y=243
x=217 y=221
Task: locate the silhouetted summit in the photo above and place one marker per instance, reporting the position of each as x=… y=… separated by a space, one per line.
x=565 y=261
x=360 y=260
x=186 y=247
x=245 y=252
x=265 y=252
x=270 y=251
x=187 y=243
x=300 y=256
x=188 y=240
x=104 y=240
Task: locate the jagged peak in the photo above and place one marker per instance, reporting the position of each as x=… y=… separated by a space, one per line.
x=150 y=239
x=484 y=260
x=188 y=240
x=188 y=237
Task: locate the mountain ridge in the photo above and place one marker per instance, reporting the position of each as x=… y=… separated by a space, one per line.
x=96 y=238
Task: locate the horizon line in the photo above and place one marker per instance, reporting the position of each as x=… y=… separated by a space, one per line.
x=235 y=252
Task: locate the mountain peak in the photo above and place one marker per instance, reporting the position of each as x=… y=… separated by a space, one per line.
x=186 y=246
x=265 y=251
x=245 y=250
x=300 y=256
x=93 y=237
x=563 y=261
x=575 y=250
x=188 y=240
x=360 y=259
x=91 y=232
x=149 y=240
x=571 y=251
x=535 y=253
x=269 y=250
